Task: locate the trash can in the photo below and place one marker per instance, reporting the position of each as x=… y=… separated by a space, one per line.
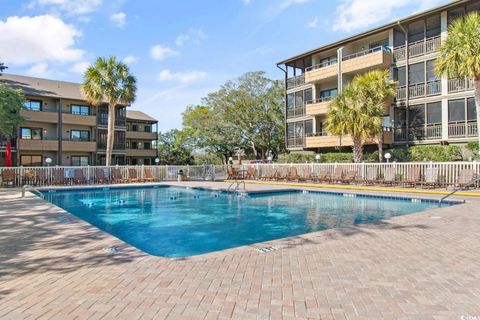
x=180 y=176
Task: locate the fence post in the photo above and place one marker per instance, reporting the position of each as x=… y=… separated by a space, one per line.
x=143 y=171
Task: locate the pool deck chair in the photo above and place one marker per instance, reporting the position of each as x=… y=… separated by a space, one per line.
x=372 y=176
x=148 y=175
x=100 y=175
x=293 y=174
x=270 y=175
x=307 y=174
x=389 y=177
x=465 y=178
x=250 y=174
x=117 y=176
x=8 y=178
x=412 y=177
x=337 y=175
x=350 y=177
x=58 y=176
x=431 y=178
x=133 y=175
x=323 y=176
x=282 y=175
x=233 y=174
x=78 y=176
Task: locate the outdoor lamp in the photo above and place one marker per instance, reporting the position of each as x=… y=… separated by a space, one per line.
x=157 y=161
x=48 y=160
x=318 y=157
x=388 y=156
x=269 y=159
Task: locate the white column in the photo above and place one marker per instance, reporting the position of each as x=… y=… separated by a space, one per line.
x=443 y=28
x=340 y=77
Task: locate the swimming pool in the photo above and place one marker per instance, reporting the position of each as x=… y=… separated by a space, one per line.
x=179 y=222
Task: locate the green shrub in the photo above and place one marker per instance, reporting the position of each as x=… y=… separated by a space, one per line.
x=435 y=153
x=296 y=158
x=340 y=157
x=472 y=146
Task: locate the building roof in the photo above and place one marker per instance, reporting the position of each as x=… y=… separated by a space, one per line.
x=43 y=87
x=139 y=115
x=374 y=31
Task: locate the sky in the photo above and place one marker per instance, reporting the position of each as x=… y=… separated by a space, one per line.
x=179 y=50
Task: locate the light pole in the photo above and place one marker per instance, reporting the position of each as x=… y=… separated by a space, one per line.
x=388 y=156
x=48 y=160
x=318 y=158
x=157 y=161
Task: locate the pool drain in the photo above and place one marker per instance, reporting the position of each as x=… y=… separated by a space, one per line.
x=267 y=249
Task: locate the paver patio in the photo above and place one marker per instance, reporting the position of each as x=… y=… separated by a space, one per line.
x=419 y=266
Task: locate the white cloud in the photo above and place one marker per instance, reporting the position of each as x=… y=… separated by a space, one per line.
x=159 y=52
x=193 y=34
x=356 y=14
x=288 y=3
x=313 y=23
x=39 y=70
x=182 y=77
x=28 y=40
x=71 y=7
x=119 y=19
x=80 y=67
x=130 y=59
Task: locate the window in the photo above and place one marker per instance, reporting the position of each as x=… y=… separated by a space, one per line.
x=290 y=101
x=290 y=129
x=430 y=71
x=416 y=31
x=31 y=133
x=31 y=161
x=33 y=105
x=299 y=129
x=434 y=113
x=416 y=115
x=456 y=110
x=148 y=129
x=433 y=26
x=329 y=93
x=298 y=99
x=400 y=116
x=328 y=61
x=134 y=145
x=417 y=73
x=80 y=161
x=471 y=110
x=80 y=110
x=134 y=127
x=400 y=76
x=308 y=126
x=307 y=95
x=80 y=135
x=398 y=38
x=381 y=43
x=147 y=146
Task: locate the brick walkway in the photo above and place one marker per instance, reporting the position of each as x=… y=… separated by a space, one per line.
x=420 y=266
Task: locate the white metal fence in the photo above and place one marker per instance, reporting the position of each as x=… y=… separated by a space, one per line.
x=447 y=172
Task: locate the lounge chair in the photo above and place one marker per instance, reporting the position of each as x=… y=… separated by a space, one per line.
x=293 y=174
x=29 y=177
x=337 y=175
x=389 y=177
x=283 y=174
x=412 y=177
x=323 y=176
x=148 y=176
x=78 y=176
x=42 y=177
x=117 y=176
x=58 y=176
x=307 y=175
x=133 y=175
x=233 y=174
x=465 y=178
x=250 y=174
x=270 y=175
x=372 y=176
x=350 y=177
x=431 y=178
x=100 y=175
x=8 y=178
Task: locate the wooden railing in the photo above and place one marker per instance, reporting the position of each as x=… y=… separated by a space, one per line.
x=322 y=65
x=459 y=85
x=426 y=132
x=418 y=48
x=462 y=129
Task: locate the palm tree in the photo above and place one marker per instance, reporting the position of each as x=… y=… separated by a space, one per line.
x=109 y=80
x=460 y=55
x=376 y=89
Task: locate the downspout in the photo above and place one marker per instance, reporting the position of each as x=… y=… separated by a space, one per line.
x=407 y=84
x=285 y=105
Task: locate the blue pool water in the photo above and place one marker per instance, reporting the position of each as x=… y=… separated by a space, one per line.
x=179 y=222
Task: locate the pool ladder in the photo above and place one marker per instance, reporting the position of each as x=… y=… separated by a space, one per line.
x=32 y=190
x=471 y=183
x=237 y=185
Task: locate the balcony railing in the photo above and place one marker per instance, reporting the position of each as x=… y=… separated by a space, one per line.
x=320 y=100
x=420 y=90
x=322 y=65
x=296 y=112
x=427 y=132
x=296 y=81
x=118 y=122
x=459 y=85
x=418 y=48
x=365 y=52
x=462 y=129
x=318 y=134
x=296 y=142
x=116 y=146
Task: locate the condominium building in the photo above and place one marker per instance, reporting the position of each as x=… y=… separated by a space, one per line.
x=62 y=127
x=426 y=109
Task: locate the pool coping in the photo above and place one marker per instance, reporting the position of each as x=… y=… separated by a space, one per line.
x=275 y=243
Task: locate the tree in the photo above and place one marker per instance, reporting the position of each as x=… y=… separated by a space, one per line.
x=2 y=67
x=110 y=80
x=174 y=149
x=11 y=102
x=460 y=55
x=350 y=115
x=376 y=90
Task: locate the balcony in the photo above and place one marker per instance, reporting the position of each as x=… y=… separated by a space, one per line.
x=418 y=48
x=318 y=106
x=324 y=140
x=118 y=146
x=295 y=81
x=322 y=71
x=463 y=129
x=38 y=145
x=142 y=135
x=86 y=120
x=296 y=142
x=150 y=153
x=40 y=116
x=419 y=90
x=460 y=85
x=119 y=122
x=80 y=146
x=295 y=112
x=418 y=133
x=376 y=58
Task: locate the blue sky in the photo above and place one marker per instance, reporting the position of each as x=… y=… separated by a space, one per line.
x=179 y=50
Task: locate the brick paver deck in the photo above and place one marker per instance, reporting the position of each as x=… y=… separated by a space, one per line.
x=419 y=266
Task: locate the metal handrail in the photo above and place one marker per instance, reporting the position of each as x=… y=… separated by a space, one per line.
x=32 y=190
x=237 y=186
x=471 y=183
